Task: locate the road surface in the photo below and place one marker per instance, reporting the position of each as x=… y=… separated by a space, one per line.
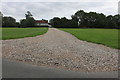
x=13 y=69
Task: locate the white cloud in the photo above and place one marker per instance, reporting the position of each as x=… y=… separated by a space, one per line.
x=60 y=0
x=49 y=10
x=119 y=7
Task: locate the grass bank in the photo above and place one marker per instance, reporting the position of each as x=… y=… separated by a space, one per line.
x=15 y=33
x=108 y=37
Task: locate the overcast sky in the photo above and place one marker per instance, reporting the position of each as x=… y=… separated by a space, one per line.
x=48 y=10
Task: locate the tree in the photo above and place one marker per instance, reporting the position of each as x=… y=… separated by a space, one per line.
x=17 y=24
x=30 y=21
x=111 y=23
x=83 y=19
x=55 y=22
x=80 y=17
x=64 y=22
x=117 y=20
x=94 y=20
x=23 y=23
x=28 y=14
x=1 y=15
x=8 y=22
x=74 y=22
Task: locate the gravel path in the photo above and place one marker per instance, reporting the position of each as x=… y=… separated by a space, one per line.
x=61 y=50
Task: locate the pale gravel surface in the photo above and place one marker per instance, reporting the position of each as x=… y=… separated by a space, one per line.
x=61 y=50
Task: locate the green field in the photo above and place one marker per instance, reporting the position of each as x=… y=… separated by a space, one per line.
x=108 y=37
x=15 y=33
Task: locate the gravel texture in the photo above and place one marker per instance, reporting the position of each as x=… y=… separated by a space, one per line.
x=60 y=49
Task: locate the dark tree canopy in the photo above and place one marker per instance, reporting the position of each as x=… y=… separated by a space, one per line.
x=28 y=14
x=23 y=23
x=64 y=22
x=30 y=21
x=56 y=22
x=83 y=19
x=8 y=22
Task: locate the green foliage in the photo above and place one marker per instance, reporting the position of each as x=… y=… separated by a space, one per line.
x=55 y=22
x=30 y=21
x=63 y=22
x=108 y=37
x=11 y=22
x=23 y=23
x=96 y=20
x=83 y=19
x=8 y=22
x=14 y=33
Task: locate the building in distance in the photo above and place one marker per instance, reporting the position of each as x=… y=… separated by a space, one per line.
x=42 y=23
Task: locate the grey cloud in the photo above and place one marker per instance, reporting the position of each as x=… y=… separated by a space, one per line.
x=119 y=7
x=48 y=10
x=59 y=0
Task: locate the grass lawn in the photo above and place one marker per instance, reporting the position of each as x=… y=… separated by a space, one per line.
x=15 y=33
x=108 y=37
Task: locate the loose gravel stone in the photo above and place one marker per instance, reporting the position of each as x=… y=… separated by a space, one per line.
x=61 y=50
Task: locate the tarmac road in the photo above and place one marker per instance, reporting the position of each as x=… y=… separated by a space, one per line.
x=21 y=70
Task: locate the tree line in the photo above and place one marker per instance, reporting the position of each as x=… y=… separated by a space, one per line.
x=29 y=21
x=80 y=19
x=83 y=19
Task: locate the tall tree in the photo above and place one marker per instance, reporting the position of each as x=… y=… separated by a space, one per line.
x=80 y=16
x=30 y=21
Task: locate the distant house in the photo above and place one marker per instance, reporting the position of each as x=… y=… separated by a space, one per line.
x=42 y=23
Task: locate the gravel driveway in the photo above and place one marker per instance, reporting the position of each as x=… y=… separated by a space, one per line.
x=61 y=50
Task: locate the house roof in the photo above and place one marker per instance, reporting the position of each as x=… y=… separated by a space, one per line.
x=42 y=21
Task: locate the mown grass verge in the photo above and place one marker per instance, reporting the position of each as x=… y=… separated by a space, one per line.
x=15 y=33
x=108 y=37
